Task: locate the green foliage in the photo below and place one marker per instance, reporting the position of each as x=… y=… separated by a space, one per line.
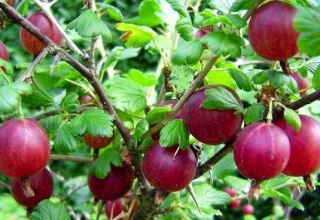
x=88 y=24
x=102 y=165
x=174 y=133
x=50 y=211
x=221 y=98
x=188 y=52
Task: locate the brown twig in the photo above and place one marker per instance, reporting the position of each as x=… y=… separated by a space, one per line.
x=214 y=160
x=7 y=186
x=28 y=73
x=87 y=73
x=306 y=100
x=194 y=85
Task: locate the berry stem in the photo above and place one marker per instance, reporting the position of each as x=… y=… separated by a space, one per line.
x=28 y=212
x=269 y=116
x=95 y=154
x=26 y=187
x=100 y=206
x=254 y=190
x=309 y=183
x=285 y=67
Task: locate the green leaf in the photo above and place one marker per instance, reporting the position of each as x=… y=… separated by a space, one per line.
x=188 y=52
x=95 y=122
x=277 y=79
x=224 y=44
x=309 y=43
x=9 y=99
x=260 y=77
x=70 y=102
x=150 y=14
x=222 y=99
x=292 y=118
x=102 y=165
x=114 y=13
x=127 y=95
x=237 y=21
x=141 y=128
x=157 y=114
x=52 y=123
x=238 y=184
x=220 y=77
x=306 y=23
x=88 y=24
x=178 y=6
x=113 y=57
x=254 y=113
x=242 y=5
x=208 y=196
x=65 y=139
x=22 y=88
x=143 y=79
x=138 y=36
x=306 y=20
x=47 y=210
x=316 y=78
x=174 y=133
x=224 y=167
x=181 y=77
x=7 y=65
x=185 y=28
x=242 y=80
x=282 y=197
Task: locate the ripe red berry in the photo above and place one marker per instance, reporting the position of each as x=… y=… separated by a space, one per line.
x=12 y=3
x=167 y=171
x=97 y=141
x=235 y=203
x=179 y=115
x=230 y=191
x=3 y=52
x=304 y=146
x=201 y=32
x=115 y=185
x=303 y=84
x=42 y=186
x=24 y=148
x=261 y=151
x=247 y=209
x=113 y=209
x=85 y=99
x=41 y=21
x=271 y=31
x=210 y=126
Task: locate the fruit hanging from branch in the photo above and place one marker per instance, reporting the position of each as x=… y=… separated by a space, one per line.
x=169 y=169
x=42 y=186
x=3 y=52
x=304 y=148
x=97 y=142
x=271 y=31
x=211 y=126
x=261 y=151
x=24 y=148
x=303 y=84
x=115 y=185
x=41 y=21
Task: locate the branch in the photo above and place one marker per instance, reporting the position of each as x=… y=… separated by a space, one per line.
x=214 y=160
x=7 y=186
x=305 y=100
x=71 y=158
x=194 y=85
x=45 y=7
x=106 y=103
x=28 y=73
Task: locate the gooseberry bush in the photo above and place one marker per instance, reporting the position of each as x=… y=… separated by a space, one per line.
x=159 y=109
